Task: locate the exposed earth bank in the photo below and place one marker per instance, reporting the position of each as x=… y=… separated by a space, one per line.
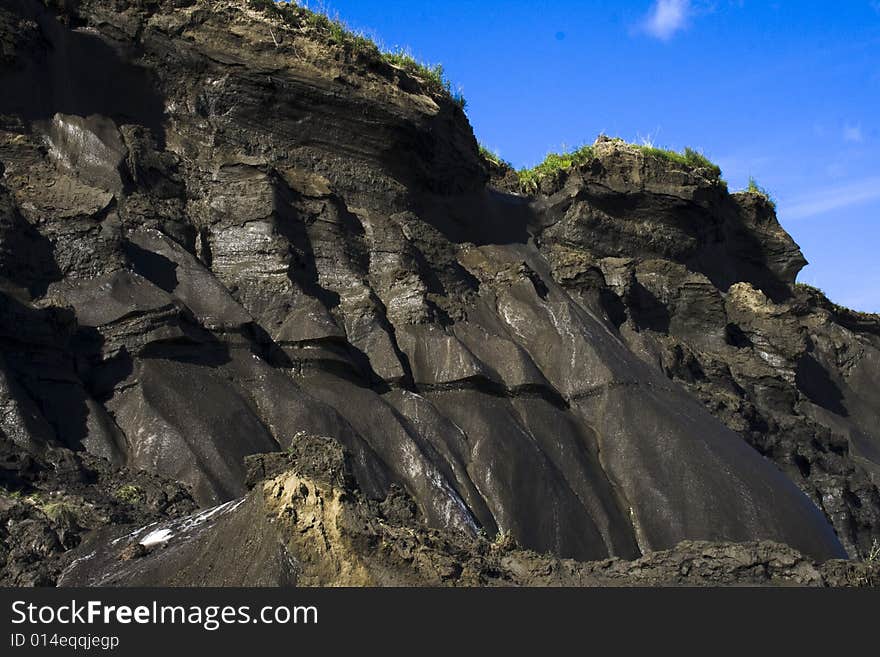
x=266 y=304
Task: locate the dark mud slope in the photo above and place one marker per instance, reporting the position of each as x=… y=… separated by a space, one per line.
x=224 y=234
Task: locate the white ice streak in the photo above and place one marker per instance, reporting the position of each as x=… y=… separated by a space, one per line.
x=164 y=532
x=156 y=537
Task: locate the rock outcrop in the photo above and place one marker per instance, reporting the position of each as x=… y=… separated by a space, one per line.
x=223 y=233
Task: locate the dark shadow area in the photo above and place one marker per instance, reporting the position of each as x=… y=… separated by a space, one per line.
x=63 y=404
x=79 y=73
x=545 y=392
x=429 y=276
x=722 y=239
x=100 y=376
x=27 y=258
x=34 y=343
x=647 y=311
x=199 y=348
x=642 y=224
x=739 y=252
x=339 y=360
x=483 y=384
x=265 y=347
x=291 y=224
x=434 y=285
x=641 y=205
x=538 y=283
x=487 y=216
x=443 y=278
x=151 y=169
x=368 y=376
x=803 y=466
x=156 y=268
x=379 y=384
x=613 y=306
x=18 y=469
x=437 y=153
x=735 y=337
x=683 y=366
x=814 y=381
x=852 y=320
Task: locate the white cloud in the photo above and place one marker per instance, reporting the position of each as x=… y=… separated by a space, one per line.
x=832 y=198
x=668 y=17
x=853 y=134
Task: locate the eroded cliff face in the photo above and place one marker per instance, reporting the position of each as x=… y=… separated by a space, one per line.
x=221 y=233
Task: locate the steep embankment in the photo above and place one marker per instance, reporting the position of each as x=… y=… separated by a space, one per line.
x=259 y=232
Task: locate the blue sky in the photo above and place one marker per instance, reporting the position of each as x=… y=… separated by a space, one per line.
x=787 y=91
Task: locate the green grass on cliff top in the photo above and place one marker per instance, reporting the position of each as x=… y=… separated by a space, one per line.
x=530 y=179
x=434 y=77
x=337 y=32
x=755 y=188
x=689 y=158
x=493 y=157
x=554 y=163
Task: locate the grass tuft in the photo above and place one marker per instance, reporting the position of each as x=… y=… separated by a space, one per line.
x=338 y=33
x=691 y=158
x=491 y=156
x=554 y=163
x=13 y=494
x=811 y=289
x=60 y=511
x=530 y=179
x=432 y=74
x=755 y=188
x=129 y=494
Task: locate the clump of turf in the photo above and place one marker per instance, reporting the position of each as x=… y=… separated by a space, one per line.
x=553 y=164
x=129 y=494
x=757 y=190
x=690 y=158
x=432 y=74
x=492 y=157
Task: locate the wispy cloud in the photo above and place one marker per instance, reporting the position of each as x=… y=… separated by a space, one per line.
x=853 y=134
x=833 y=198
x=668 y=17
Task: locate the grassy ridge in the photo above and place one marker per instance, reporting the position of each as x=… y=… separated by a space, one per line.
x=434 y=78
x=690 y=158
x=530 y=179
x=337 y=32
x=433 y=74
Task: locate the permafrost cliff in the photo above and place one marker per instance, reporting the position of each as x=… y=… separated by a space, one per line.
x=242 y=264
